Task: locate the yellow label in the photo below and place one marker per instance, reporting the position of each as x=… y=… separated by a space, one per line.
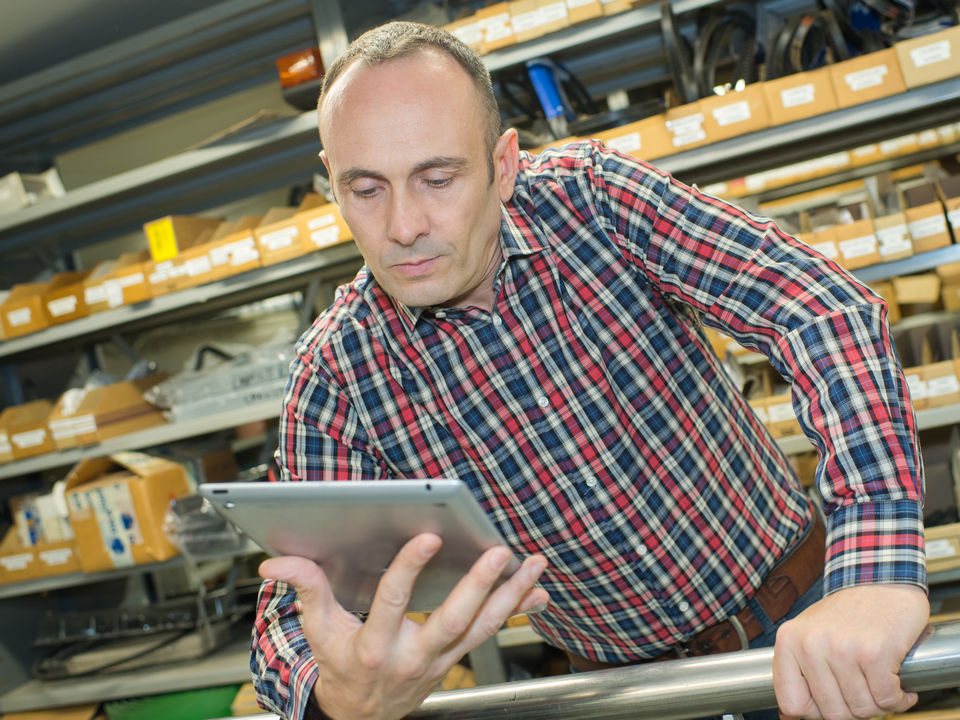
x=163 y=243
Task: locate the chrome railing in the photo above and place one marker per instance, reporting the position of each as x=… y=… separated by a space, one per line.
x=675 y=690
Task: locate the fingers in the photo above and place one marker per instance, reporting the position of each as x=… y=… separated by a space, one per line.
x=305 y=576
x=790 y=687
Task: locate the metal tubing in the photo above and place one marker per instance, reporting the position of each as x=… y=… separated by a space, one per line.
x=691 y=688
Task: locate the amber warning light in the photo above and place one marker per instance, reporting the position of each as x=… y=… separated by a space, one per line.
x=299 y=67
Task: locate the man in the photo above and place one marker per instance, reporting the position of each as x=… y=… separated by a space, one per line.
x=532 y=326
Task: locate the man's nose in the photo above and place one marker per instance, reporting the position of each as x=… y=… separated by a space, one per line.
x=406 y=220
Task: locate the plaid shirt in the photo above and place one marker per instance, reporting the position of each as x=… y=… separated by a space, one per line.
x=596 y=426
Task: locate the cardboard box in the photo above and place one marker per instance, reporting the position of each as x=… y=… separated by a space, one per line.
x=469 y=31
x=943 y=547
x=612 y=7
x=278 y=237
x=26 y=427
x=117 y=505
x=94 y=290
x=884 y=289
x=127 y=281
x=6 y=449
x=232 y=249
x=77 y=712
x=23 y=312
x=43 y=526
x=168 y=236
x=65 y=424
x=118 y=409
x=644 y=139
x=916 y=386
x=495 y=25
x=17 y=563
x=735 y=113
x=320 y=223
x=942 y=384
x=866 y=78
x=824 y=242
x=921 y=288
x=799 y=96
x=553 y=15
x=950 y=295
x=857 y=243
x=525 y=19
x=63 y=297
x=865 y=155
x=930 y=58
x=893 y=237
x=685 y=127
x=583 y=10
x=926 y=219
x=781 y=418
x=166 y=276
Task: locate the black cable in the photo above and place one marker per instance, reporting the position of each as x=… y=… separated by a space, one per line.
x=679 y=55
x=66 y=653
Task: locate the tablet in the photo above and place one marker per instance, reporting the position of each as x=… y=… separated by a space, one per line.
x=354 y=529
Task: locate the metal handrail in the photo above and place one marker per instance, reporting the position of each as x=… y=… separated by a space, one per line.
x=675 y=690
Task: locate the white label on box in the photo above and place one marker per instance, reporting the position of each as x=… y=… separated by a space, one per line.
x=900 y=144
x=577 y=3
x=84 y=424
x=733 y=113
x=198 y=265
x=18 y=317
x=326 y=236
x=781 y=412
x=470 y=34
x=688 y=138
x=933 y=225
x=628 y=143
x=131 y=279
x=244 y=255
x=940 y=548
x=858 y=247
x=5 y=447
x=321 y=221
x=894 y=240
x=499 y=31
x=945 y=385
x=525 y=21
x=866 y=78
x=114 y=292
x=280 y=239
x=918 y=388
x=762 y=414
x=715 y=190
x=928 y=137
x=495 y=20
x=686 y=125
x=53 y=558
x=827 y=249
x=14 y=563
x=223 y=254
x=63 y=429
x=866 y=150
x=62 y=306
x=799 y=95
x=954 y=217
x=113 y=508
x=553 y=12
x=29 y=439
x=94 y=294
x=930 y=54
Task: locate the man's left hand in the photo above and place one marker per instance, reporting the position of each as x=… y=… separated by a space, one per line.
x=840 y=658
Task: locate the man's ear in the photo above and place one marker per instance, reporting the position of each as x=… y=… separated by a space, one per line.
x=326 y=164
x=506 y=161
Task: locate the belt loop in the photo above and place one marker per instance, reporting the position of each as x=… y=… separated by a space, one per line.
x=741 y=632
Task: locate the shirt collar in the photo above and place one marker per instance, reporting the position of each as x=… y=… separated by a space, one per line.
x=514 y=242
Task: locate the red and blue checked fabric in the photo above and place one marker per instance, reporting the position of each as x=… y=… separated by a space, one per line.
x=593 y=422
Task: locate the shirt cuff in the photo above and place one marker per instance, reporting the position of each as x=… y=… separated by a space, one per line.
x=303 y=678
x=874 y=543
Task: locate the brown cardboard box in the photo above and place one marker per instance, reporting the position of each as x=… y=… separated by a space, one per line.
x=525 y=19
x=884 y=289
x=6 y=449
x=278 y=237
x=735 y=113
x=921 y=288
x=799 y=96
x=930 y=58
x=824 y=242
x=865 y=155
x=128 y=280
x=916 y=386
x=495 y=24
x=857 y=243
x=77 y=712
x=612 y=7
x=582 y=10
x=866 y=78
x=943 y=547
x=233 y=248
x=63 y=297
x=46 y=532
x=117 y=505
x=65 y=424
x=23 y=312
x=94 y=291
x=950 y=295
x=893 y=237
x=898 y=146
x=782 y=420
x=469 y=31
x=170 y=235
x=942 y=384
x=644 y=139
x=118 y=409
x=320 y=223
x=17 y=563
x=166 y=276
x=553 y=15
x=26 y=427
x=926 y=219
x=685 y=126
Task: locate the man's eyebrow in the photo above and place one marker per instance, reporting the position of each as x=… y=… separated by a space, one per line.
x=354 y=173
x=446 y=162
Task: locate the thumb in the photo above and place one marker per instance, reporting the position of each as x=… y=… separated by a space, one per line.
x=310 y=582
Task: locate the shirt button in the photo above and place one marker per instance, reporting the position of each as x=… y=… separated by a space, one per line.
x=683 y=606
x=543 y=401
x=440 y=314
x=497 y=320
x=592 y=481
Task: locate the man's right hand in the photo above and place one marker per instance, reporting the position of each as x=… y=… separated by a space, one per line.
x=385 y=667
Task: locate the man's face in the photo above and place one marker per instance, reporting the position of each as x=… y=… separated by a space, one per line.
x=404 y=147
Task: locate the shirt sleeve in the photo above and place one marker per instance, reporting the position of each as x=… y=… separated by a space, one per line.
x=823 y=331
x=320 y=439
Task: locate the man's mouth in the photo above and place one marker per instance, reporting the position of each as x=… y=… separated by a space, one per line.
x=415 y=267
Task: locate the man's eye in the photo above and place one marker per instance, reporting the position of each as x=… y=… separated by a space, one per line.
x=365 y=192
x=439 y=182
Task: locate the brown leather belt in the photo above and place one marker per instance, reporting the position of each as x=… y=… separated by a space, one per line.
x=787 y=581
